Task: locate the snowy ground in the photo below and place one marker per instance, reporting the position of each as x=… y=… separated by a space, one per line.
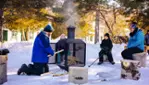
x=21 y=53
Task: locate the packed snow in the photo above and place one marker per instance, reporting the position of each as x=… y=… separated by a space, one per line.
x=21 y=53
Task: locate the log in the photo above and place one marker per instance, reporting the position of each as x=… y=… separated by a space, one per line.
x=3 y=69
x=130 y=69
x=140 y=57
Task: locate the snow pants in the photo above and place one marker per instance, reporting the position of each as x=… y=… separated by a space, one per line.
x=37 y=69
x=109 y=55
x=128 y=53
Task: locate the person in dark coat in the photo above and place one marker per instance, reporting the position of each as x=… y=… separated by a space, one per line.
x=135 y=43
x=106 y=48
x=40 y=52
x=147 y=39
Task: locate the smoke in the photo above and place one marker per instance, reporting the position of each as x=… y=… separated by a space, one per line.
x=69 y=10
x=70 y=13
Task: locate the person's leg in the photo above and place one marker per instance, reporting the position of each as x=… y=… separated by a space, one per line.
x=127 y=53
x=101 y=53
x=46 y=68
x=22 y=69
x=35 y=69
x=147 y=49
x=38 y=69
x=110 y=58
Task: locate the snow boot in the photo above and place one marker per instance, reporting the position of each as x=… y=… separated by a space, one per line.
x=30 y=66
x=100 y=63
x=112 y=62
x=22 y=69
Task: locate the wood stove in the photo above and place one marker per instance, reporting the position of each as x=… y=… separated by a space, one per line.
x=74 y=51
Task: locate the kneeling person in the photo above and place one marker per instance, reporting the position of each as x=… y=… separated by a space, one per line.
x=41 y=50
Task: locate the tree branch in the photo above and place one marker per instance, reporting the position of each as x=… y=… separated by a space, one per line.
x=106 y=22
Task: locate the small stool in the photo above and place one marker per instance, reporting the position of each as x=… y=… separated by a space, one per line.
x=140 y=57
x=105 y=58
x=129 y=69
x=78 y=75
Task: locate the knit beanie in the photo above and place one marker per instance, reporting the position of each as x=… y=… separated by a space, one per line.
x=48 y=28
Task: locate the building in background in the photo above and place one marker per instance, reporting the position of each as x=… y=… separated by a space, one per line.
x=15 y=36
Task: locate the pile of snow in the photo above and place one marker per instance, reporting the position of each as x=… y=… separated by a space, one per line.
x=21 y=53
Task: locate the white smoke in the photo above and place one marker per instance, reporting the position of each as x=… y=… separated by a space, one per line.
x=70 y=13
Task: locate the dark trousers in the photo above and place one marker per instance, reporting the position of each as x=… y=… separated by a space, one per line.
x=127 y=53
x=109 y=55
x=148 y=50
x=37 y=69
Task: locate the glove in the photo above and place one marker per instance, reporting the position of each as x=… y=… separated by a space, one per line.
x=51 y=55
x=105 y=48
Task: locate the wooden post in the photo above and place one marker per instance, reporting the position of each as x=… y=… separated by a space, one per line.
x=3 y=69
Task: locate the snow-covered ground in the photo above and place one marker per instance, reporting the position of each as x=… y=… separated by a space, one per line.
x=21 y=53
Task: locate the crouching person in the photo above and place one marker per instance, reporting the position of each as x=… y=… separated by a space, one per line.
x=135 y=43
x=41 y=50
x=106 y=48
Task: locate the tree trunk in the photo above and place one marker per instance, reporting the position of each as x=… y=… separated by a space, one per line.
x=2 y=3
x=106 y=22
x=97 y=27
x=1 y=24
x=26 y=35
x=22 y=36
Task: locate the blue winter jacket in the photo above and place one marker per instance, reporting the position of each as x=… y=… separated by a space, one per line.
x=137 y=40
x=41 y=49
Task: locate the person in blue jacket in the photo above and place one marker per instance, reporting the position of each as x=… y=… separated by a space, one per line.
x=40 y=52
x=135 y=43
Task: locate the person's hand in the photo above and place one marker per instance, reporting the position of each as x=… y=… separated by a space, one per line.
x=105 y=48
x=54 y=53
x=49 y=55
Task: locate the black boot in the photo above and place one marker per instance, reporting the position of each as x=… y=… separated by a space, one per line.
x=30 y=66
x=100 y=63
x=112 y=62
x=22 y=69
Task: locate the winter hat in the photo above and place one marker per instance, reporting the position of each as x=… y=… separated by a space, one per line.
x=133 y=25
x=107 y=34
x=48 y=28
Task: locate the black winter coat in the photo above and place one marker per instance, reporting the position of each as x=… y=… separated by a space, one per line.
x=106 y=45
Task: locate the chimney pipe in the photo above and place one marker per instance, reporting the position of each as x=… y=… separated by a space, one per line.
x=71 y=32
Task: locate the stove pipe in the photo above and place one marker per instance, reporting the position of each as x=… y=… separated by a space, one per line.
x=71 y=32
